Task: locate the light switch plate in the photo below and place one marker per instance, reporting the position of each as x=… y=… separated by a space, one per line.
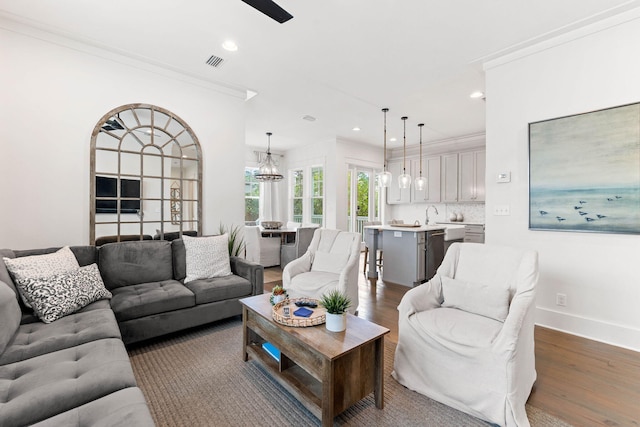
x=504 y=177
x=501 y=210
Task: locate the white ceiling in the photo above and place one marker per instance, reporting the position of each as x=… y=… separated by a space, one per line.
x=340 y=61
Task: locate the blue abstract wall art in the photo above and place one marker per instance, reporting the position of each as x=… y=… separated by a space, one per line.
x=584 y=172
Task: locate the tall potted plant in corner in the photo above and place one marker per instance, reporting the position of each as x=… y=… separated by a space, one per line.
x=336 y=303
x=236 y=241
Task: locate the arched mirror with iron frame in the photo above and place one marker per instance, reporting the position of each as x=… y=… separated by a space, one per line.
x=146 y=176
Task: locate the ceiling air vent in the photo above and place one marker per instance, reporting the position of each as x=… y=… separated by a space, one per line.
x=215 y=61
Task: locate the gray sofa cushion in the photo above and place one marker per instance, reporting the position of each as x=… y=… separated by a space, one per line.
x=4 y=273
x=10 y=315
x=131 y=263
x=84 y=254
x=123 y=408
x=131 y=302
x=179 y=255
x=173 y=235
x=219 y=288
x=41 y=387
x=36 y=339
x=30 y=317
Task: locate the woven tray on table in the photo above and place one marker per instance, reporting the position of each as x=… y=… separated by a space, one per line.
x=317 y=318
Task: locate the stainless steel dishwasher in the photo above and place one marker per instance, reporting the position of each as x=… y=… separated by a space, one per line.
x=412 y=257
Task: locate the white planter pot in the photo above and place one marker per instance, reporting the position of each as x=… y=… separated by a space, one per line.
x=336 y=322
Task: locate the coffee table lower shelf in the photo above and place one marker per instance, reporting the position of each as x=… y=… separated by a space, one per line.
x=306 y=389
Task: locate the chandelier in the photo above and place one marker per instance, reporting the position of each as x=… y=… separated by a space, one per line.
x=268 y=171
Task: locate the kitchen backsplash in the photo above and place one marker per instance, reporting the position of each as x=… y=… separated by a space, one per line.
x=472 y=212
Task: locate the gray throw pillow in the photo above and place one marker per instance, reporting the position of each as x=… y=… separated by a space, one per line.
x=10 y=315
x=62 y=294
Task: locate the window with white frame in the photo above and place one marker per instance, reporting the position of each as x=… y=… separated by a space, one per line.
x=307 y=195
x=317 y=195
x=251 y=195
x=297 y=193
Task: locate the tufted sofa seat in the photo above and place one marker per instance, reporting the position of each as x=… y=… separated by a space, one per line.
x=43 y=386
x=37 y=338
x=76 y=371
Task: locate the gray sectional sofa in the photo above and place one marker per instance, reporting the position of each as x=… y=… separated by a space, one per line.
x=75 y=371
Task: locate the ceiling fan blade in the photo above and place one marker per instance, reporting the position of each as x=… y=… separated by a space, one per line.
x=270 y=9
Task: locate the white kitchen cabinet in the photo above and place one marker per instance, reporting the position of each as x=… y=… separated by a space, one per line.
x=395 y=194
x=471 y=181
x=450 y=178
x=431 y=171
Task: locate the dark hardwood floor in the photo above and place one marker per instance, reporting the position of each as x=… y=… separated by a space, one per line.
x=583 y=382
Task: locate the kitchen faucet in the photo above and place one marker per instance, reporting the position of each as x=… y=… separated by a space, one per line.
x=427 y=213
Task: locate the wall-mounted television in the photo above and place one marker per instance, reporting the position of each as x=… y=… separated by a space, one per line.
x=108 y=187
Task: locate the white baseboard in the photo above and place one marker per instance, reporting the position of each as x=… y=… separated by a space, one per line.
x=597 y=330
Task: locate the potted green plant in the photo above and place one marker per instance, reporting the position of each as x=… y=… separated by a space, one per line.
x=278 y=294
x=336 y=303
x=236 y=241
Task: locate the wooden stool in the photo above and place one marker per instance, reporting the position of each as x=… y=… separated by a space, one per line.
x=366 y=257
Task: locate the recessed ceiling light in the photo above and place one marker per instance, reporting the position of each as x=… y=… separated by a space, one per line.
x=356 y=129
x=393 y=139
x=230 y=45
x=477 y=94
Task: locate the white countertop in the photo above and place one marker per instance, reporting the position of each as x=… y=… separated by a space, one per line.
x=459 y=223
x=411 y=229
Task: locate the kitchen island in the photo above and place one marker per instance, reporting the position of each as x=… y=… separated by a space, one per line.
x=411 y=253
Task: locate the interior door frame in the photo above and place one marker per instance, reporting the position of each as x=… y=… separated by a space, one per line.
x=353 y=202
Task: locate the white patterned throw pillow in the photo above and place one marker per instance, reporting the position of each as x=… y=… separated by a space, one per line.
x=56 y=296
x=206 y=257
x=39 y=266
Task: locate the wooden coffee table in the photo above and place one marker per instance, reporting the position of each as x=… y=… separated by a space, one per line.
x=326 y=371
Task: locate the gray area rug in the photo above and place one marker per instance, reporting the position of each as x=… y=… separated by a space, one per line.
x=198 y=378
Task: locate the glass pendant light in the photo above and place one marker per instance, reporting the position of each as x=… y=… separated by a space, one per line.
x=420 y=182
x=385 y=176
x=404 y=180
x=268 y=171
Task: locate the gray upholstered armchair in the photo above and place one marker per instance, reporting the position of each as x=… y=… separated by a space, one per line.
x=293 y=250
x=465 y=338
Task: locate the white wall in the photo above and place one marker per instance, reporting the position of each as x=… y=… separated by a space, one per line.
x=320 y=154
x=53 y=94
x=334 y=156
x=278 y=189
x=590 y=69
x=352 y=154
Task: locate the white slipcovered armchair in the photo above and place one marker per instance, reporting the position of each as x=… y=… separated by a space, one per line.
x=331 y=262
x=262 y=250
x=465 y=338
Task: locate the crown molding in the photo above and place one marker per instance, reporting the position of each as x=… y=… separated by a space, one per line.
x=442 y=146
x=627 y=12
x=57 y=36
